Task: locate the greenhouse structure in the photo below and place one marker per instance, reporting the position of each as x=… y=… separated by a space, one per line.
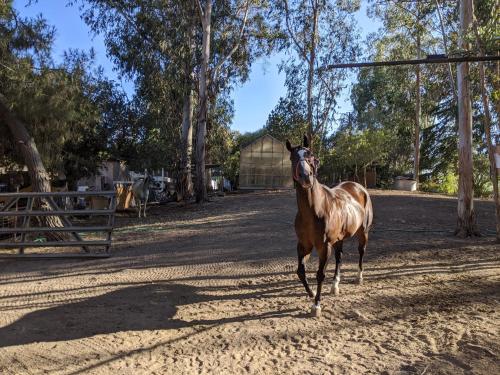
x=265 y=164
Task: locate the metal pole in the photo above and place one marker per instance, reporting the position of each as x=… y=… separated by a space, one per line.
x=428 y=60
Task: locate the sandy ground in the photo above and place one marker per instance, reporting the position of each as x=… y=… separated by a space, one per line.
x=212 y=289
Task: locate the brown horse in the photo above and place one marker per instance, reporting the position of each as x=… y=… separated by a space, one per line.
x=325 y=218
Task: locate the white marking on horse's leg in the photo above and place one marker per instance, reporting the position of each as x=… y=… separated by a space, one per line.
x=360 y=277
x=313 y=295
x=336 y=282
x=316 y=310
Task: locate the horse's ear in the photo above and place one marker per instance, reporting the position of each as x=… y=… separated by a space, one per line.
x=288 y=145
x=306 y=141
x=316 y=163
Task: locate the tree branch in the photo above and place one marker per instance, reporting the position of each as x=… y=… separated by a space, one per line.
x=235 y=47
x=200 y=9
x=302 y=51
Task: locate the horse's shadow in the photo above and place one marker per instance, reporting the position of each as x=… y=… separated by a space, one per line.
x=145 y=307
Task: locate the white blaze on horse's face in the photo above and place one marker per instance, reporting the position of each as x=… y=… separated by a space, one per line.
x=302 y=170
x=302 y=154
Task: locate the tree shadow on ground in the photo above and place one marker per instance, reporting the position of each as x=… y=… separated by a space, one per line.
x=136 y=308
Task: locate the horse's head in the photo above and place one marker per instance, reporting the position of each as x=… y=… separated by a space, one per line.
x=304 y=164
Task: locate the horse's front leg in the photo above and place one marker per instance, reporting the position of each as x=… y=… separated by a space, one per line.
x=338 y=261
x=303 y=253
x=324 y=254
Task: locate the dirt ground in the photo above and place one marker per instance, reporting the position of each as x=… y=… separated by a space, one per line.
x=213 y=290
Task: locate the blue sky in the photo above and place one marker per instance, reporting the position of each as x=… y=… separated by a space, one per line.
x=253 y=101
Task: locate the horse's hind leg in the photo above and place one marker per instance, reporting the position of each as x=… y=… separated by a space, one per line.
x=363 y=240
x=303 y=253
x=338 y=261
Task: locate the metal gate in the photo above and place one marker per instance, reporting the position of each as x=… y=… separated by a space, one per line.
x=18 y=213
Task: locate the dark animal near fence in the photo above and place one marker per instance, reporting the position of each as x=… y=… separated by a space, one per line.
x=325 y=218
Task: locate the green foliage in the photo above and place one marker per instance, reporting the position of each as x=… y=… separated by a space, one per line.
x=287 y=121
x=444 y=184
x=157 y=45
x=447 y=183
x=60 y=103
x=481 y=174
x=384 y=98
x=352 y=152
x=315 y=91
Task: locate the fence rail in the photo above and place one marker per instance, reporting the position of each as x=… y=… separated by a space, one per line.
x=16 y=223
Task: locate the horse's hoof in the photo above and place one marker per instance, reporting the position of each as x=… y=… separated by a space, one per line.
x=315 y=311
x=335 y=290
x=360 y=277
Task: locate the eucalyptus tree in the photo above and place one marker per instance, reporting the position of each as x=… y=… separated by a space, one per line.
x=233 y=34
x=320 y=33
x=466 y=221
x=451 y=116
x=153 y=43
x=485 y=23
x=413 y=22
x=169 y=46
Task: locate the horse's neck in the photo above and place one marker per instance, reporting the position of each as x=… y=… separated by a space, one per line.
x=310 y=201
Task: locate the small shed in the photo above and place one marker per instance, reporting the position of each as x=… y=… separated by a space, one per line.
x=265 y=164
x=111 y=170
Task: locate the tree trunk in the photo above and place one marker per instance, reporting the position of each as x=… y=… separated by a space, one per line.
x=201 y=131
x=186 y=180
x=186 y=183
x=38 y=175
x=487 y=130
x=418 y=114
x=310 y=77
x=40 y=180
x=466 y=222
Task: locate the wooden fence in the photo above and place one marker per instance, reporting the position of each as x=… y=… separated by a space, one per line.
x=20 y=209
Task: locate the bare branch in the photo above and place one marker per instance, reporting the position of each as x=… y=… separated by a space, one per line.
x=445 y=45
x=200 y=9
